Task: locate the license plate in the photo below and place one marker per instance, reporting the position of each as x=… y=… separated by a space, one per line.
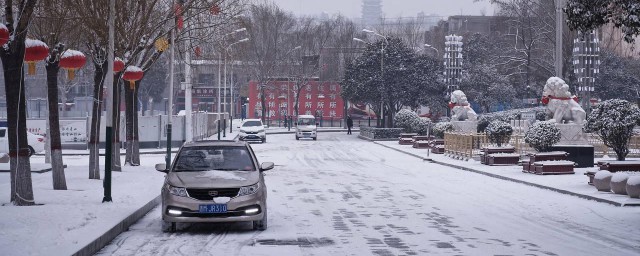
x=213 y=208
x=306 y=135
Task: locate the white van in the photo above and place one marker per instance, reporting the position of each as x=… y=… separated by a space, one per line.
x=306 y=127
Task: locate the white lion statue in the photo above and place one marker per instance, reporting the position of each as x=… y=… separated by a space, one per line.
x=560 y=103
x=460 y=108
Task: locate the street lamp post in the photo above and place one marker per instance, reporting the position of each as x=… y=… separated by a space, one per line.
x=220 y=73
x=226 y=51
x=429 y=46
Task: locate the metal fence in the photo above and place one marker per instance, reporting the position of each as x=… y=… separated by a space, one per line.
x=325 y=122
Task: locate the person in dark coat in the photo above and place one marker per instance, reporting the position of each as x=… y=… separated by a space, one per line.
x=349 y=124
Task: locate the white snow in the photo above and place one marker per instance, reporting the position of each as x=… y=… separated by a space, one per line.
x=33 y=43
x=619 y=177
x=602 y=174
x=133 y=69
x=633 y=180
x=338 y=195
x=72 y=53
x=229 y=175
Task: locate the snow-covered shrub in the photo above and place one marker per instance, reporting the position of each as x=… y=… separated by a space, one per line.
x=613 y=120
x=440 y=128
x=483 y=122
x=380 y=133
x=421 y=126
x=406 y=119
x=499 y=132
x=508 y=115
x=542 y=135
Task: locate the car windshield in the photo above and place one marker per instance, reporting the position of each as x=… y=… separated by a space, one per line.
x=251 y=123
x=227 y=158
x=306 y=121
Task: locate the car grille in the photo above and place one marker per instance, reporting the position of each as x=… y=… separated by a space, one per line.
x=251 y=132
x=203 y=194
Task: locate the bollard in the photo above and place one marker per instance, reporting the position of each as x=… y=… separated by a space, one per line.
x=218 y=125
x=369 y=121
x=224 y=127
x=290 y=123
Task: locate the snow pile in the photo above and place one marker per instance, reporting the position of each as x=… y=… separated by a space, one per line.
x=227 y=175
x=499 y=132
x=633 y=180
x=619 y=177
x=542 y=135
x=133 y=69
x=72 y=53
x=33 y=43
x=600 y=175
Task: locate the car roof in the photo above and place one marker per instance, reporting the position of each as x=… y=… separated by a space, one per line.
x=252 y=120
x=306 y=116
x=215 y=143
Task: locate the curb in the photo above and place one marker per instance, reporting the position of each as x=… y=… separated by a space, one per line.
x=561 y=191
x=100 y=242
x=319 y=131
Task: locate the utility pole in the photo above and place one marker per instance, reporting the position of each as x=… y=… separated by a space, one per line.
x=170 y=112
x=559 y=28
x=187 y=92
x=110 y=95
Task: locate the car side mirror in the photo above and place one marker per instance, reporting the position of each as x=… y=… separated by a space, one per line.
x=162 y=168
x=317 y=124
x=266 y=166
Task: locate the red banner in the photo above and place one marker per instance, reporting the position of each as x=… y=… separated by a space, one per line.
x=317 y=98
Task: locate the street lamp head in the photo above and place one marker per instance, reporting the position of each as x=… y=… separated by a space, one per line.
x=359 y=40
x=240 y=30
x=243 y=40
x=297 y=47
x=367 y=31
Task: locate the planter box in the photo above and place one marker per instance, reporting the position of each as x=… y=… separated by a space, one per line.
x=617 y=166
x=408 y=135
x=590 y=174
x=486 y=151
x=405 y=141
x=438 y=149
x=421 y=144
x=554 y=167
x=503 y=159
x=422 y=138
x=545 y=156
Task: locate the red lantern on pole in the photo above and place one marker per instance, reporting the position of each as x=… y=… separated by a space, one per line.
x=4 y=34
x=132 y=74
x=35 y=51
x=72 y=60
x=118 y=65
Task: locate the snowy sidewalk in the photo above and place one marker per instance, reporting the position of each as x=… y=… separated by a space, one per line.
x=575 y=185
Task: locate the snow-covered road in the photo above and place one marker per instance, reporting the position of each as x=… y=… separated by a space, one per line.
x=344 y=196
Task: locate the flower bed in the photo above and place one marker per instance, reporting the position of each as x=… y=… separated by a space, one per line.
x=380 y=133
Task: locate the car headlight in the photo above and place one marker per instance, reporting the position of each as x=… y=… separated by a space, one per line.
x=261 y=131
x=177 y=191
x=243 y=131
x=248 y=190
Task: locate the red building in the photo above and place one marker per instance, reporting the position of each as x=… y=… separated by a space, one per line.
x=317 y=98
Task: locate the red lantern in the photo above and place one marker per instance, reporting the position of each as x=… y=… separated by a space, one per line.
x=4 y=34
x=35 y=50
x=215 y=9
x=451 y=104
x=118 y=65
x=197 y=51
x=71 y=60
x=132 y=74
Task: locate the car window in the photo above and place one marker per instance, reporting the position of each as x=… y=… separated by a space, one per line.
x=2 y=133
x=228 y=158
x=306 y=121
x=252 y=123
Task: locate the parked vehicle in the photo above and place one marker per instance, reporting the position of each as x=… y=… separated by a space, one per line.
x=214 y=181
x=306 y=127
x=252 y=130
x=36 y=142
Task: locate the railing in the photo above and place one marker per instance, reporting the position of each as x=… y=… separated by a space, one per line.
x=325 y=122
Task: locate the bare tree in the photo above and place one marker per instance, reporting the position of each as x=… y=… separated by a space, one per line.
x=17 y=18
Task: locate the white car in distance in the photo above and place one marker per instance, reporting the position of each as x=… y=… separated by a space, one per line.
x=36 y=142
x=252 y=130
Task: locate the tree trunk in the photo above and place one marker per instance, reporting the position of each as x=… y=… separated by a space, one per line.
x=133 y=151
x=116 y=164
x=94 y=136
x=59 y=181
x=21 y=186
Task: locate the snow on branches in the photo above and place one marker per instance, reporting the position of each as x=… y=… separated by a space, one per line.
x=499 y=132
x=440 y=128
x=613 y=120
x=411 y=122
x=542 y=135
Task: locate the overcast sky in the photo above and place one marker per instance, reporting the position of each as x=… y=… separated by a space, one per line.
x=390 y=8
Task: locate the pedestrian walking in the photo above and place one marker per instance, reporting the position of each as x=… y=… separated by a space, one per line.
x=349 y=124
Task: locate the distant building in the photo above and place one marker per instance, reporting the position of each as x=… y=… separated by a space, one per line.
x=466 y=24
x=371 y=12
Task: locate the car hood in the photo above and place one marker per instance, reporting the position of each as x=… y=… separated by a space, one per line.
x=251 y=128
x=307 y=127
x=213 y=179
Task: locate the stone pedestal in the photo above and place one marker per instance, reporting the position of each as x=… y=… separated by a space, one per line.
x=572 y=134
x=468 y=127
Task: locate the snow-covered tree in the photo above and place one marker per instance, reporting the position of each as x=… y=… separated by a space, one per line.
x=587 y=15
x=499 y=132
x=395 y=77
x=614 y=120
x=440 y=128
x=618 y=78
x=542 y=135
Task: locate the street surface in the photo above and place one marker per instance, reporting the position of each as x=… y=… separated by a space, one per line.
x=341 y=195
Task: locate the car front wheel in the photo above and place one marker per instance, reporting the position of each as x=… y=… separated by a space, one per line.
x=168 y=227
x=261 y=224
x=31 y=151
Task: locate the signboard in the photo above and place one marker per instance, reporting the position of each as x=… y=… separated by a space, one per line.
x=528 y=115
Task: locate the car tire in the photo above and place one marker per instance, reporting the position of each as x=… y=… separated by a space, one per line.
x=264 y=140
x=315 y=138
x=297 y=138
x=168 y=227
x=261 y=224
x=31 y=151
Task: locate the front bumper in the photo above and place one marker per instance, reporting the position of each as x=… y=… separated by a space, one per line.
x=307 y=134
x=252 y=137
x=190 y=208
